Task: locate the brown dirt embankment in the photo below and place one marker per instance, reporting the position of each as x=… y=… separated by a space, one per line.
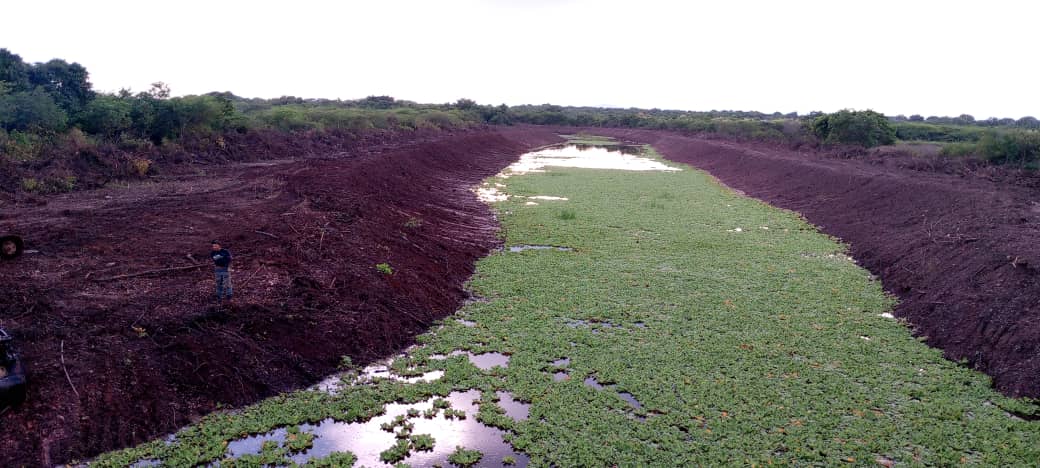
x=148 y=354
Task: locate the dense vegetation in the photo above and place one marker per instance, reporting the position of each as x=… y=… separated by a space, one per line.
x=646 y=346
x=50 y=111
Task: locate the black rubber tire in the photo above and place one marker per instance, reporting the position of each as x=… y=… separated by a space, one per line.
x=19 y=246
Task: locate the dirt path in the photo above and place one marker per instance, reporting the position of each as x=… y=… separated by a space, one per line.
x=960 y=252
x=148 y=354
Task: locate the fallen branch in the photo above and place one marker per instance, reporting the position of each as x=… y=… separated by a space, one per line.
x=268 y=234
x=251 y=275
x=67 y=370
x=150 y=272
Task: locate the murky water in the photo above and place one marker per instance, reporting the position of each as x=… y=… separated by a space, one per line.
x=521 y=248
x=587 y=157
x=562 y=362
x=483 y=361
x=515 y=409
x=618 y=157
x=367 y=439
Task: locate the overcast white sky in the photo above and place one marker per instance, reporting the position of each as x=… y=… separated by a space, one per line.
x=905 y=56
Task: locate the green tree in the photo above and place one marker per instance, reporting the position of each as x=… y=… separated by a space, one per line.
x=68 y=83
x=14 y=71
x=106 y=115
x=31 y=111
x=865 y=128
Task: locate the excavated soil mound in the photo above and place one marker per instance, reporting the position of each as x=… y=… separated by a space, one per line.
x=960 y=251
x=147 y=354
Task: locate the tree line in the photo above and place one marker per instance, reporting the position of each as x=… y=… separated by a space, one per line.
x=46 y=104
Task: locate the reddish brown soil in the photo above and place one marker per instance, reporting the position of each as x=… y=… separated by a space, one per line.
x=959 y=250
x=147 y=355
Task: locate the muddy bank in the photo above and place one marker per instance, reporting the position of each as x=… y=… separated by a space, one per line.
x=147 y=354
x=959 y=250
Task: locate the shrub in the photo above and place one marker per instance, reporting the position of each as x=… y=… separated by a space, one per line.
x=864 y=128
x=385 y=268
x=30 y=184
x=31 y=111
x=463 y=457
x=567 y=214
x=1001 y=147
x=140 y=166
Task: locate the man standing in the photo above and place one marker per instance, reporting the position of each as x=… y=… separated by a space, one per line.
x=221 y=263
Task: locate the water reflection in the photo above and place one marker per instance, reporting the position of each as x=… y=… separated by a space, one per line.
x=624 y=158
x=521 y=248
x=483 y=361
x=367 y=440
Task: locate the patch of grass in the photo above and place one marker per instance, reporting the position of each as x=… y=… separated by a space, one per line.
x=422 y=442
x=566 y=214
x=756 y=346
x=396 y=453
x=464 y=458
x=385 y=269
x=334 y=460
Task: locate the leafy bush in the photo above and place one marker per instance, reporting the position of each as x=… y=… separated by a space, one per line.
x=931 y=132
x=33 y=111
x=864 y=128
x=1002 y=147
x=463 y=457
x=140 y=166
x=22 y=146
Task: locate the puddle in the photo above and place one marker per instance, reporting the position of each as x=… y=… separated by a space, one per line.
x=252 y=445
x=626 y=158
x=521 y=248
x=483 y=361
x=468 y=323
x=380 y=370
x=561 y=376
x=146 y=463
x=367 y=440
x=515 y=409
x=639 y=325
x=562 y=362
x=630 y=399
x=592 y=382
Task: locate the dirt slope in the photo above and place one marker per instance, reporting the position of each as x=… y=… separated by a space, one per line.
x=959 y=251
x=148 y=354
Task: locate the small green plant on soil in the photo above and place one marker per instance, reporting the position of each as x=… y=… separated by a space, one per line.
x=755 y=347
x=422 y=442
x=508 y=460
x=385 y=269
x=413 y=223
x=464 y=458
